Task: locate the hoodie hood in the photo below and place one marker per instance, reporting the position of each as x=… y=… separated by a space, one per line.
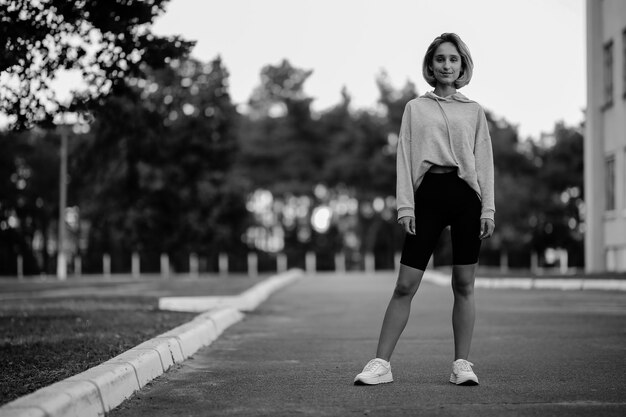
x=454 y=97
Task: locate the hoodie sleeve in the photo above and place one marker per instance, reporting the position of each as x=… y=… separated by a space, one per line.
x=404 y=186
x=483 y=154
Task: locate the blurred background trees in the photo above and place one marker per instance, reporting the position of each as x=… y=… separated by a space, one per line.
x=170 y=165
x=103 y=42
x=154 y=169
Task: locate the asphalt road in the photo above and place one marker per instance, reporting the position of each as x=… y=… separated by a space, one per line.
x=536 y=353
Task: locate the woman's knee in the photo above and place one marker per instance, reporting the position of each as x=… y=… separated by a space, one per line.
x=405 y=289
x=463 y=289
x=408 y=281
x=463 y=280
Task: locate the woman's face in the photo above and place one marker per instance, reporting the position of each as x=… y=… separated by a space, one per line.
x=446 y=64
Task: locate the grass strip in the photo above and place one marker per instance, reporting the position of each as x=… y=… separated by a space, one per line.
x=43 y=341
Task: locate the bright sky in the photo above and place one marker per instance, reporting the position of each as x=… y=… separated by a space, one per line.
x=529 y=55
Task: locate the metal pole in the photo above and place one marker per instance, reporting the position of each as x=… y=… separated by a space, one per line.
x=253 y=267
x=223 y=264
x=281 y=262
x=165 y=265
x=20 y=267
x=194 y=265
x=106 y=265
x=78 y=266
x=340 y=262
x=504 y=262
x=61 y=258
x=311 y=262
x=370 y=263
x=135 y=265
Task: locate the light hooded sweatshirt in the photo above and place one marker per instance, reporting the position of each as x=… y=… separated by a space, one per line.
x=450 y=131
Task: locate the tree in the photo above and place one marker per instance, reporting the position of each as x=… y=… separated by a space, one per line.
x=539 y=193
x=394 y=100
x=557 y=217
x=360 y=156
x=280 y=148
x=515 y=177
x=28 y=199
x=106 y=41
x=156 y=168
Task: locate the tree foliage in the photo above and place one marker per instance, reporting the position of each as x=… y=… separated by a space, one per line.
x=559 y=198
x=105 y=41
x=281 y=150
x=28 y=197
x=539 y=191
x=155 y=167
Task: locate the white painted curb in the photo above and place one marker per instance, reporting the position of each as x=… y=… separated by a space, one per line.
x=246 y=301
x=100 y=389
x=441 y=279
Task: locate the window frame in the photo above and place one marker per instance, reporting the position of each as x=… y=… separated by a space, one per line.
x=624 y=63
x=608 y=63
x=623 y=182
x=609 y=181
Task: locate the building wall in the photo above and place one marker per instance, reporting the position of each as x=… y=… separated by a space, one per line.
x=605 y=138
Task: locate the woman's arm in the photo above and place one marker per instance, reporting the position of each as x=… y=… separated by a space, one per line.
x=483 y=154
x=405 y=200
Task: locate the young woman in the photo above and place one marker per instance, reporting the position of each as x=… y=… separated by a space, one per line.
x=444 y=178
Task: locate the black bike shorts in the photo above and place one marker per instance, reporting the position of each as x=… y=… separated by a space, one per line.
x=444 y=200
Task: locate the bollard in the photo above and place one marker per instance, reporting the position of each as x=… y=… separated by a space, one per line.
x=78 y=266
x=504 y=262
x=20 y=267
x=563 y=261
x=106 y=265
x=281 y=263
x=61 y=266
x=193 y=265
x=253 y=261
x=135 y=265
x=311 y=262
x=340 y=262
x=165 y=265
x=370 y=265
x=534 y=263
x=223 y=264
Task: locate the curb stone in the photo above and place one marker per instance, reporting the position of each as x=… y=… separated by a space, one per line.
x=441 y=279
x=246 y=301
x=100 y=389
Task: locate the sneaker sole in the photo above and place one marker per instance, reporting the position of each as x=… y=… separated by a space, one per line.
x=466 y=381
x=373 y=381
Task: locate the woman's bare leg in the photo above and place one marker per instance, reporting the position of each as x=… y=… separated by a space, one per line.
x=398 y=310
x=463 y=312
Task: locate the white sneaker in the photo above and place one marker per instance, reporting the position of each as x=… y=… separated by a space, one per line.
x=377 y=371
x=462 y=373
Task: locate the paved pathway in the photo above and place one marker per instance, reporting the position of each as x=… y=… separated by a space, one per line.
x=537 y=353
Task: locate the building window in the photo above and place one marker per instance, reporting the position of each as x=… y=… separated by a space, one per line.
x=624 y=63
x=610 y=183
x=608 y=74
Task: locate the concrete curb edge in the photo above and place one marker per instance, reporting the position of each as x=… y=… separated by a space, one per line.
x=100 y=389
x=246 y=301
x=441 y=279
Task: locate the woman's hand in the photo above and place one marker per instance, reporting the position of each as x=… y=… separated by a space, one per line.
x=487 y=227
x=408 y=223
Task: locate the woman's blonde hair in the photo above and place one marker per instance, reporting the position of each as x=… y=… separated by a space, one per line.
x=467 y=65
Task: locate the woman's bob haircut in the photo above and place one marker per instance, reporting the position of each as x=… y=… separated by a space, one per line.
x=467 y=65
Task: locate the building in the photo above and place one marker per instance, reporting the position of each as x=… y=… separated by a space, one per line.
x=605 y=137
